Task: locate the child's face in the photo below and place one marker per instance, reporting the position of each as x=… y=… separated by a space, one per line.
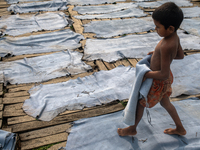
x=160 y=29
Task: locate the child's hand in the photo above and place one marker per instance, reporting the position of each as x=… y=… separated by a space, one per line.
x=144 y=78
x=149 y=53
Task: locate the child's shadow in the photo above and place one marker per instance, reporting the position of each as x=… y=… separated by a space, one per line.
x=134 y=143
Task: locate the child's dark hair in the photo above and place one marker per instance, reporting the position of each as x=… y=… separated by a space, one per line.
x=168 y=14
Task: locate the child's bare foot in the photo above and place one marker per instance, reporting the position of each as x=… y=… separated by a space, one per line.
x=126 y=131
x=175 y=131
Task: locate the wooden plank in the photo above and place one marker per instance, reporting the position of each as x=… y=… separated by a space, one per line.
x=13 y=106
x=30 y=144
x=1 y=87
x=7 y=129
x=22 y=88
x=138 y=59
x=101 y=65
x=125 y=62
x=57 y=80
x=66 y=118
x=133 y=62
x=19 y=119
x=1 y=100
x=16 y=94
x=110 y=66
x=149 y=10
x=91 y=63
x=13 y=100
x=5 y=13
x=118 y=63
x=191 y=52
x=3 y=10
x=4 y=5
x=77 y=25
x=13 y=110
x=29 y=55
x=17 y=85
x=181 y=97
x=81 y=75
x=1 y=93
x=13 y=113
x=45 y=132
x=1 y=107
x=57 y=146
x=1 y=114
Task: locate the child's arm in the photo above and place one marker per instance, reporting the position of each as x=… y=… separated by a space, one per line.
x=180 y=53
x=149 y=53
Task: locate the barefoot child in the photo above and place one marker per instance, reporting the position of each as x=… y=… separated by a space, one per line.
x=167 y=19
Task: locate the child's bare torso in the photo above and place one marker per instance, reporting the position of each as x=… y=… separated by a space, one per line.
x=172 y=43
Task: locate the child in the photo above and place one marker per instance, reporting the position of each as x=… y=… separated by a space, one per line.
x=167 y=19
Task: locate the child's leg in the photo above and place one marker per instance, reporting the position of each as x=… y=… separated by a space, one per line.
x=180 y=130
x=131 y=130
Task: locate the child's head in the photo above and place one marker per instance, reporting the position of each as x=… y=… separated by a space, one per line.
x=168 y=14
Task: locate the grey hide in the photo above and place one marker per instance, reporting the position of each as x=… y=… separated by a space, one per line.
x=153 y=5
x=48 y=42
x=142 y=0
x=131 y=12
x=186 y=75
x=191 y=12
x=21 y=24
x=191 y=26
x=7 y=140
x=55 y=5
x=180 y=3
x=110 y=28
x=103 y=9
x=20 y=1
x=100 y=133
x=92 y=2
x=131 y=46
x=47 y=101
x=42 y=68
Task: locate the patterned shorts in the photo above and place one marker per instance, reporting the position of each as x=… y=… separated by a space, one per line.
x=160 y=89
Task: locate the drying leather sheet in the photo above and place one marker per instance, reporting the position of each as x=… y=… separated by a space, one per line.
x=153 y=5
x=20 y=24
x=130 y=12
x=191 y=26
x=92 y=2
x=132 y=46
x=41 y=43
x=42 y=68
x=103 y=9
x=110 y=28
x=101 y=132
x=47 y=101
x=191 y=12
x=20 y=1
x=186 y=75
x=54 y=5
